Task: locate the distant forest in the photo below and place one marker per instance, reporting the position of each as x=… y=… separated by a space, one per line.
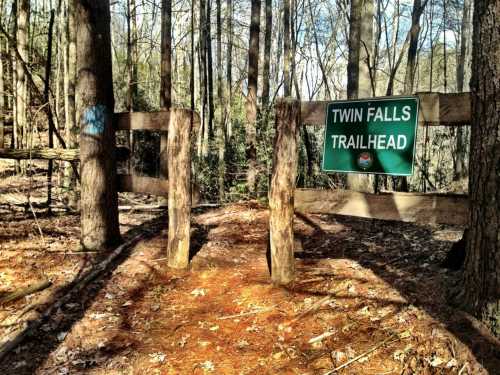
x=229 y=60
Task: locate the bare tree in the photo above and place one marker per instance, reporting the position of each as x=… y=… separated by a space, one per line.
x=460 y=168
x=22 y=22
x=267 y=52
x=251 y=103
x=165 y=75
x=286 y=49
x=418 y=9
x=229 y=67
x=70 y=107
x=2 y=91
x=221 y=131
x=358 y=72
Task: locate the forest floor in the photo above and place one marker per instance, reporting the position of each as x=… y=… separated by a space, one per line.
x=363 y=286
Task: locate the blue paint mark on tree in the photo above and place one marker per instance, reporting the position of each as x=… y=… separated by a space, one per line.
x=94 y=119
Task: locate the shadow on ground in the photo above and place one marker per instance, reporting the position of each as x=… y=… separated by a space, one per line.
x=405 y=256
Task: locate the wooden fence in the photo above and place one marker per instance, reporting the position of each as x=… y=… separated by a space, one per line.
x=175 y=157
x=435 y=109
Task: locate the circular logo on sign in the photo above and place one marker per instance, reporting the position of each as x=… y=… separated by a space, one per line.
x=365 y=160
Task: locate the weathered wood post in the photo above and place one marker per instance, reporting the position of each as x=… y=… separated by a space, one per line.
x=282 y=191
x=179 y=188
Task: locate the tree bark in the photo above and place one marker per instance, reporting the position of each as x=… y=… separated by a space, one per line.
x=2 y=90
x=71 y=116
x=165 y=77
x=401 y=183
x=482 y=267
x=418 y=9
x=365 y=50
x=23 y=13
x=267 y=53
x=95 y=102
x=354 y=44
x=179 y=188
x=324 y=74
x=286 y=49
x=358 y=74
x=460 y=169
x=221 y=131
x=229 y=66
x=48 y=67
x=133 y=89
x=281 y=202
x=209 y=67
x=202 y=52
x=251 y=102
x=166 y=54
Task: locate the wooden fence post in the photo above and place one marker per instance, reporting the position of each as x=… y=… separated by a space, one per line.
x=179 y=188
x=282 y=191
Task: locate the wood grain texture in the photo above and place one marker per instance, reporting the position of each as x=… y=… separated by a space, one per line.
x=156 y=121
x=281 y=194
x=142 y=120
x=143 y=185
x=41 y=153
x=409 y=207
x=435 y=109
x=179 y=187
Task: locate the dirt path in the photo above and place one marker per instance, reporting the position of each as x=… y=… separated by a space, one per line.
x=377 y=280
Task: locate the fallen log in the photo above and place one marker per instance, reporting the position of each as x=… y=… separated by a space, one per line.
x=41 y=153
x=15 y=338
x=23 y=292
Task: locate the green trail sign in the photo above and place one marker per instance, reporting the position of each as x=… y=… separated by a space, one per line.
x=371 y=136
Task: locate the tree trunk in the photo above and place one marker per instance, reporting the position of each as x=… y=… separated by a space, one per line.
x=281 y=203
x=221 y=132
x=286 y=49
x=482 y=268
x=71 y=116
x=324 y=74
x=192 y=59
x=48 y=68
x=365 y=50
x=358 y=74
x=166 y=54
x=251 y=103
x=463 y=62
x=401 y=183
x=411 y=62
x=2 y=90
x=209 y=68
x=267 y=54
x=165 y=77
x=23 y=12
x=179 y=188
x=229 y=66
x=132 y=71
x=354 y=44
x=202 y=52
x=94 y=98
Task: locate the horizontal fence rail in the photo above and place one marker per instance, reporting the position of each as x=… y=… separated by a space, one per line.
x=435 y=109
x=418 y=208
x=149 y=121
x=142 y=184
x=41 y=153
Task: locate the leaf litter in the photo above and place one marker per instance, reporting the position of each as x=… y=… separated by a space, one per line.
x=369 y=305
